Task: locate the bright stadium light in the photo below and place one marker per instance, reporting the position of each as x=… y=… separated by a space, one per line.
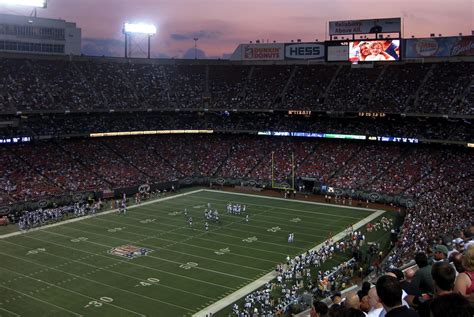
x=30 y=3
x=129 y=29
x=139 y=28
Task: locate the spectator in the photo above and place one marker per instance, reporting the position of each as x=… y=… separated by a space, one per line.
x=389 y=291
x=422 y=279
x=319 y=309
x=336 y=299
x=409 y=290
x=376 y=306
x=456 y=258
x=352 y=301
x=451 y=305
x=440 y=253
x=443 y=275
x=464 y=281
x=409 y=274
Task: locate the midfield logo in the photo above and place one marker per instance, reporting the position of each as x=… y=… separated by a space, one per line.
x=129 y=251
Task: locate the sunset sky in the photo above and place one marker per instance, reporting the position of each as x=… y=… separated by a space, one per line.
x=221 y=25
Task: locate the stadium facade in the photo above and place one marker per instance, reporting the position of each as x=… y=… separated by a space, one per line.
x=24 y=34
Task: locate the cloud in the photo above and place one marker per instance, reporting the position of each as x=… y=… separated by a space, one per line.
x=202 y=34
x=102 y=47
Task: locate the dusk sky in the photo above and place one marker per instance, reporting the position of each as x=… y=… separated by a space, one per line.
x=221 y=25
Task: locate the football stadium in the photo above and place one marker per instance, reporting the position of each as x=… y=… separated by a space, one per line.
x=325 y=178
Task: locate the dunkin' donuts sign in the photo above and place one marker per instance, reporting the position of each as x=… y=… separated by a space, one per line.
x=263 y=52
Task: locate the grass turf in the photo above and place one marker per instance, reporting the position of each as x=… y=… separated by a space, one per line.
x=67 y=270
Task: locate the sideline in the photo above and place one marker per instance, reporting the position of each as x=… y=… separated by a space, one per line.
x=17 y=233
x=235 y=296
x=289 y=200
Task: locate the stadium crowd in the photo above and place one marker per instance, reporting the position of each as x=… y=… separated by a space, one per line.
x=438 y=179
x=301 y=279
x=82 y=124
x=440 y=285
x=51 y=168
x=98 y=84
x=436 y=229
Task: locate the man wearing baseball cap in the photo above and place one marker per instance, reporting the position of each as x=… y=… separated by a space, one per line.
x=440 y=253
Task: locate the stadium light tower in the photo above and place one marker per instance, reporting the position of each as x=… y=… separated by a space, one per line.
x=133 y=28
x=195 y=47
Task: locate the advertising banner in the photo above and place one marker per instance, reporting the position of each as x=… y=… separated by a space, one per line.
x=337 y=51
x=263 y=52
x=440 y=47
x=304 y=51
x=392 y=25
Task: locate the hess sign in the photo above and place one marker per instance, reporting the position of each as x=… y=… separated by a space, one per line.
x=304 y=51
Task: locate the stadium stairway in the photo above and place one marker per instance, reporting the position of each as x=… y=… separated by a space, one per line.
x=428 y=75
x=340 y=168
x=395 y=161
x=331 y=83
x=77 y=159
x=166 y=160
x=285 y=89
x=370 y=95
x=119 y=154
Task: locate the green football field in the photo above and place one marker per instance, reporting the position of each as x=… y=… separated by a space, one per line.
x=75 y=269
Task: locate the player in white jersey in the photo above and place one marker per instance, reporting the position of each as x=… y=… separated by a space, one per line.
x=291 y=237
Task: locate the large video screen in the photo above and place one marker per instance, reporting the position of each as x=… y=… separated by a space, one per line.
x=374 y=51
x=337 y=51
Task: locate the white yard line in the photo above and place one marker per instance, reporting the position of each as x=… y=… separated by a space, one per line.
x=158 y=258
x=125 y=261
x=241 y=220
x=10 y=312
x=154 y=247
x=106 y=269
x=41 y=271
x=97 y=214
x=42 y=301
x=91 y=281
x=213 y=231
x=287 y=200
x=235 y=296
x=199 y=236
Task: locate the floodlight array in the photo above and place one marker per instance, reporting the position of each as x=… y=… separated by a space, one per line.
x=139 y=28
x=30 y=3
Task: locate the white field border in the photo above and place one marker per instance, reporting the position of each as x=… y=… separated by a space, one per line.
x=17 y=233
x=288 y=199
x=235 y=296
